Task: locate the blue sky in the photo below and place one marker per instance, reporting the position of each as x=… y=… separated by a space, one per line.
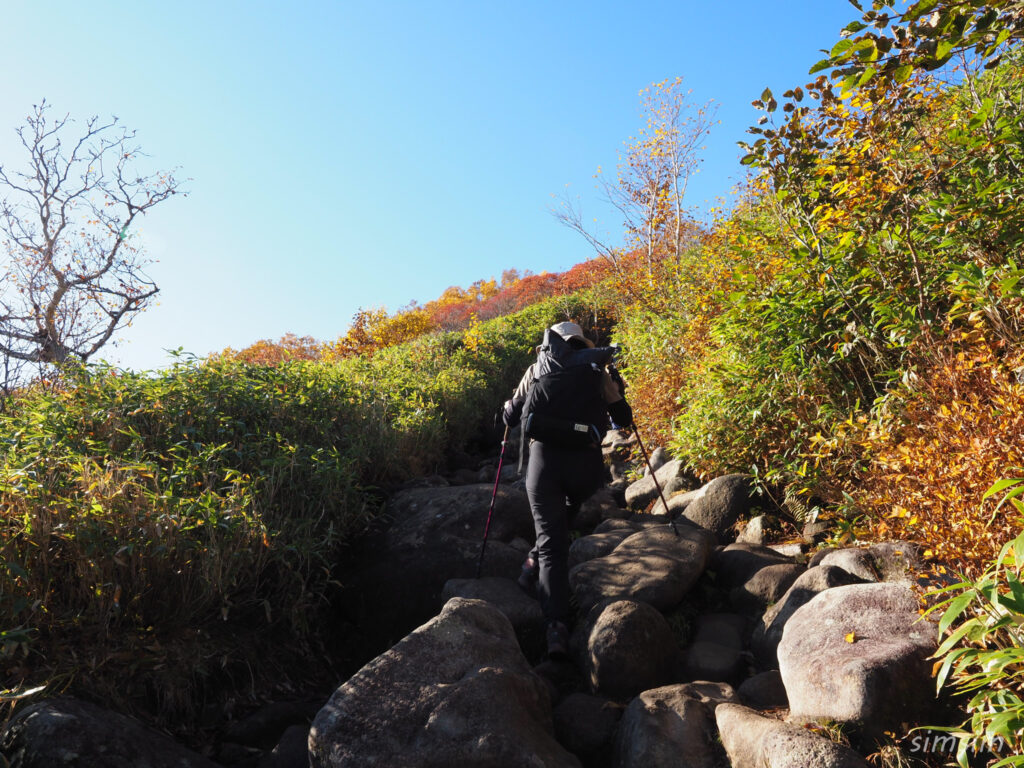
x=357 y=154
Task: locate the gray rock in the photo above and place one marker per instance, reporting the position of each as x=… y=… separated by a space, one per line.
x=764 y=588
x=614 y=524
x=658 y=458
x=768 y=632
x=504 y=594
x=599 y=507
x=895 y=560
x=713 y=662
x=856 y=561
x=821 y=554
x=585 y=725
x=434 y=534
x=794 y=551
x=754 y=741
x=879 y=680
x=721 y=503
x=764 y=691
x=430 y=701
x=728 y=629
x=597 y=545
x=754 y=532
x=666 y=727
x=677 y=505
x=652 y=566
x=630 y=648
x=264 y=726
x=735 y=564
x=68 y=732
x=672 y=477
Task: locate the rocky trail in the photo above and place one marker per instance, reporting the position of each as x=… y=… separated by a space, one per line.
x=690 y=648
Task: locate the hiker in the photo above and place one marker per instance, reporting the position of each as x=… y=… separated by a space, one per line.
x=563 y=401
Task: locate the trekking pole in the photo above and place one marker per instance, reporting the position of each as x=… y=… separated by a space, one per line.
x=654 y=477
x=494 y=496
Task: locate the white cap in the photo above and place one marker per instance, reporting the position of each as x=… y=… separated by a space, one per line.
x=571 y=331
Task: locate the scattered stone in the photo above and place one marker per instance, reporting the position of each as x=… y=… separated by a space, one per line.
x=754 y=741
x=815 y=532
x=677 y=505
x=895 y=560
x=67 y=732
x=765 y=587
x=652 y=566
x=859 y=654
x=430 y=700
x=666 y=726
x=630 y=648
x=754 y=532
x=601 y=506
x=793 y=551
x=764 y=691
x=721 y=503
x=821 y=554
x=768 y=632
x=735 y=564
x=585 y=725
x=672 y=477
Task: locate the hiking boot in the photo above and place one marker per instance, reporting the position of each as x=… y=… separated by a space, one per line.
x=558 y=641
x=528 y=577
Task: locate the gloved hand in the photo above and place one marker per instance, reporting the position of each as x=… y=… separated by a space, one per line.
x=510 y=414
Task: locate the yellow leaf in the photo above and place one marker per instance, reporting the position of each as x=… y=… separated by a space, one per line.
x=851 y=637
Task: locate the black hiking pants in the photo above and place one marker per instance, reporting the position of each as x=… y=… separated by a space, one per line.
x=558 y=481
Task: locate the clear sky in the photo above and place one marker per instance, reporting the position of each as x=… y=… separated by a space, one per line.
x=354 y=154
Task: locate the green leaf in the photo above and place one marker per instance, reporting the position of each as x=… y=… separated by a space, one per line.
x=902 y=73
x=956 y=607
x=823 y=64
x=1001 y=485
x=840 y=48
x=942 y=50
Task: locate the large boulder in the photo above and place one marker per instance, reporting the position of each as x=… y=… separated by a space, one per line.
x=754 y=741
x=597 y=545
x=630 y=648
x=668 y=726
x=504 y=594
x=653 y=566
x=72 y=733
x=433 y=535
x=430 y=701
x=812 y=582
x=859 y=654
x=599 y=507
x=721 y=503
x=672 y=477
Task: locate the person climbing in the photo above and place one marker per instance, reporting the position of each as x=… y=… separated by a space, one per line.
x=563 y=402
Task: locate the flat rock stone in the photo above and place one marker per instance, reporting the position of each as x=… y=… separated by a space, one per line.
x=67 y=732
x=430 y=701
x=630 y=648
x=754 y=532
x=859 y=654
x=754 y=741
x=856 y=561
x=652 y=566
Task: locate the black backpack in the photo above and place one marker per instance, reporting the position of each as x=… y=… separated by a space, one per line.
x=565 y=406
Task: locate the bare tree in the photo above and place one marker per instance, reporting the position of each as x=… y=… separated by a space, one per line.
x=652 y=177
x=73 y=271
